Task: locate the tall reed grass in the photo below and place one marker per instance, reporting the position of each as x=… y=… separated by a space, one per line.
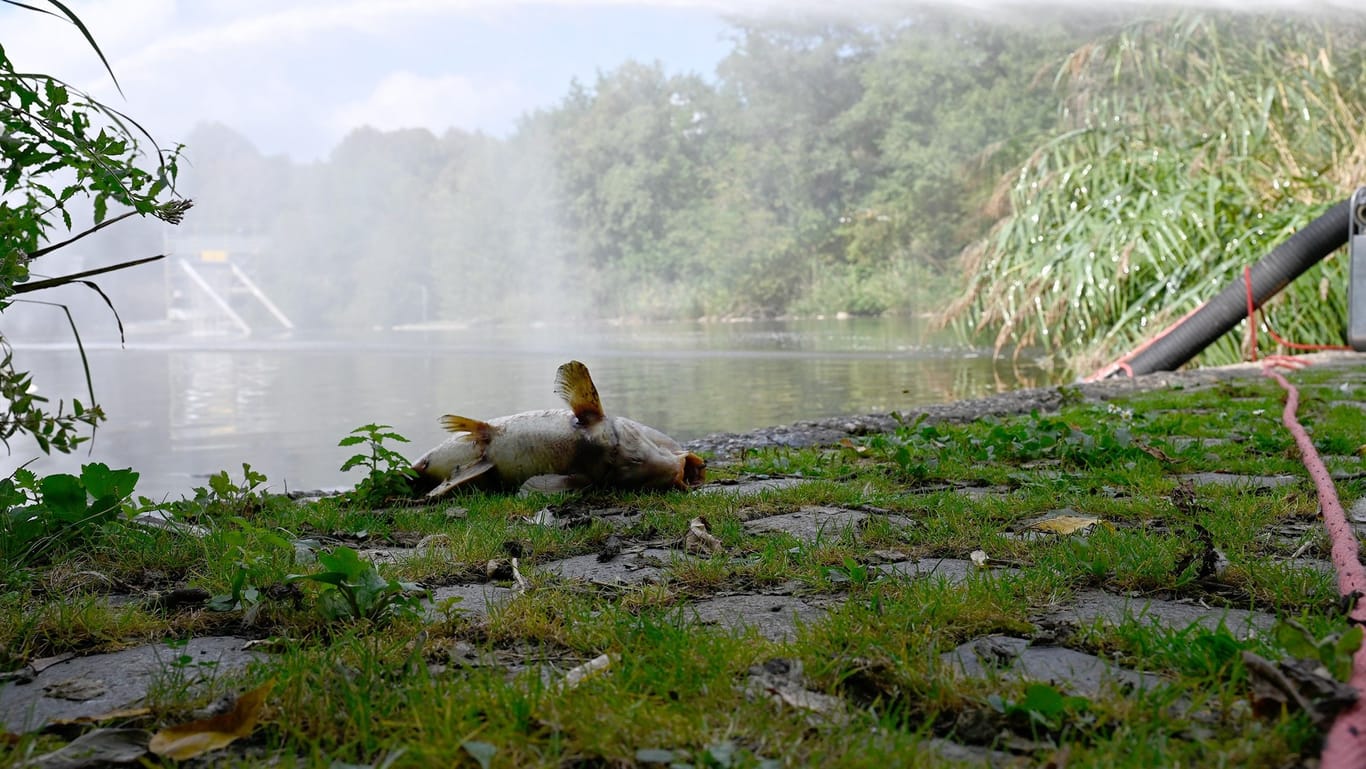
x=1193 y=145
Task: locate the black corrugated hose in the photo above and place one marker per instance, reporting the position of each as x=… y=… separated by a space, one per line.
x=1193 y=333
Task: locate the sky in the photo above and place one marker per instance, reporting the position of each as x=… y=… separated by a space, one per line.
x=294 y=76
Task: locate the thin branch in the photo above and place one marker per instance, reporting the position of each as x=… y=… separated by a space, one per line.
x=62 y=280
x=74 y=238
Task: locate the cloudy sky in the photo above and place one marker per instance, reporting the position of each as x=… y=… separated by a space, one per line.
x=295 y=75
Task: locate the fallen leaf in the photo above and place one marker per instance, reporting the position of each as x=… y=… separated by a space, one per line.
x=96 y=748
x=121 y=713
x=699 y=538
x=1296 y=685
x=199 y=737
x=578 y=675
x=481 y=752
x=1064 y=524
x=543 y=517
x=76 y=689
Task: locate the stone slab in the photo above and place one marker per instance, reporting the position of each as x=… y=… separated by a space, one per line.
x=117 y=680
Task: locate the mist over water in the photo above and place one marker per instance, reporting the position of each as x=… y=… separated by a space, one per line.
x=179 y=412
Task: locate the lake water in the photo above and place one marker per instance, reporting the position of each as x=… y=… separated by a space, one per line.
x=181 y=410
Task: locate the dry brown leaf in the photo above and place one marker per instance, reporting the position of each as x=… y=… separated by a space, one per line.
x=121 y=713
x=199 y=737
x=1065 y=524
x=699 y=538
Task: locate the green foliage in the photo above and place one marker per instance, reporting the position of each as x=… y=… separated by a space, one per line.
x=1194 y=145
x=1334 y=650
x=45 y=515
x=354 y=589
x=388 y=473
x=223 y=498
x=826 y=167
x=917 y=449
x=61 y=150
x=250 y=563
x=1044 y=709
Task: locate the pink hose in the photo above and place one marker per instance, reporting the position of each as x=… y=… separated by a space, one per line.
x=1346 y=744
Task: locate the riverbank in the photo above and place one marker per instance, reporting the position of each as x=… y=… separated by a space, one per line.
x=1071 y=575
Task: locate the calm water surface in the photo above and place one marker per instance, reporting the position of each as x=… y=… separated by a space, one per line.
x=181 y=410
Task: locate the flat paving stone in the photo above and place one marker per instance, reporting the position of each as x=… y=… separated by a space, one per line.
x=625 y=569
x=775 y=617
x=816 y=522
x=475 y=599
x=1092 y=605
x=101 y=683
x=751 y=487
x=1069 y=670
x=954 y=570
x=978 y=493
x=1235 y=479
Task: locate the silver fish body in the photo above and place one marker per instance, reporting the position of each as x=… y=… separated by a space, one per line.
x=559 y=449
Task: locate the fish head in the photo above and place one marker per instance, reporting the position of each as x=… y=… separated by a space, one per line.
x=645 y=458
x=438 y=464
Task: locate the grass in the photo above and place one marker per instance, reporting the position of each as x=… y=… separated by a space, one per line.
x=464 y=687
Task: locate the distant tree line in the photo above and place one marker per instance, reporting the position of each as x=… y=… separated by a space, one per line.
x=1070 y=183
x=823 y=168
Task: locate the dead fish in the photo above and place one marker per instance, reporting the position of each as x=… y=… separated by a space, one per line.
x=558 y=449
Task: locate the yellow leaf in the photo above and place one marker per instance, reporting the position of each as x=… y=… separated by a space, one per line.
x=199 y=737
x=1065 y=524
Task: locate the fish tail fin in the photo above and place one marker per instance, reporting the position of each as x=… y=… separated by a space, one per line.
x=478 y=429
x=573 y=383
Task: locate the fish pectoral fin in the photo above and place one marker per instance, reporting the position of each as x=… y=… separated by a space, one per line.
x=694 y=471
x=550 y=483
x=573 y=383
x=462 y=476
x=478 y=428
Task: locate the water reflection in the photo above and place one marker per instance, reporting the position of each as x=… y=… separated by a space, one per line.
x=180 y=411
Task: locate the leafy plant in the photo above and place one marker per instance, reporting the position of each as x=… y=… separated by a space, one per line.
x=1334 y=650
x=388 y=473
x=1043 y=709
x=223 y=497
x=43 y=514
x=249 y=564
x=857 y=574
x=354 y=589
x=60 y=147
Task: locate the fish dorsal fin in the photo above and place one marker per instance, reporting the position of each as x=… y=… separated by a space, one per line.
x=573 y=383
x=480 y=430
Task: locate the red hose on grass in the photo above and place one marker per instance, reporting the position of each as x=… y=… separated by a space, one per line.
x=1346 y=744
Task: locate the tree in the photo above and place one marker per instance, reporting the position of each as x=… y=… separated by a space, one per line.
x=60 y=150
